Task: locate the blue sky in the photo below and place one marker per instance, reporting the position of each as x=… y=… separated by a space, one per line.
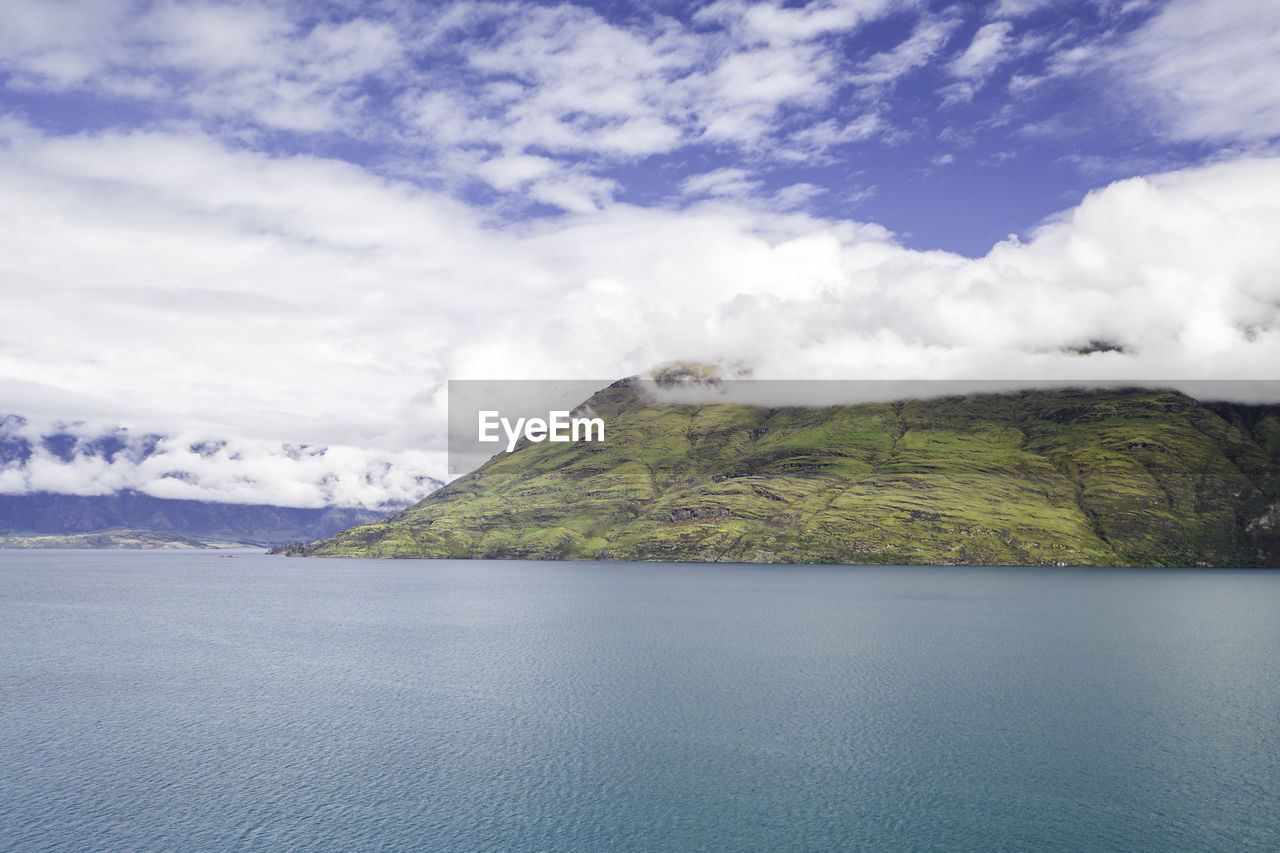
x=263 y=225
x=953 y=125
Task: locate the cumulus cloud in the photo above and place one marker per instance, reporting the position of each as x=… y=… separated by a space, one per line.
x=569 y=81
x=169 y=284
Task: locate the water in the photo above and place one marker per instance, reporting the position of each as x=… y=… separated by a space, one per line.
x=181 y=701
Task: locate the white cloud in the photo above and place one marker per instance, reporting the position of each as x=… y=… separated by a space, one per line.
x=589 y=86
x=191 y=465
x=929 y=37
x=772 y=77
x=220 y=60
x=991 y=47
x=575 y=193
x=56 y=43
x=167 y=283
x=795 y=195
x=819 y=137
x=174 y=280
x=731 y=182
x=507 y=173
x=1210 y=69
x=739 y=186
x=776 y=24
x=984 y=53
x=1018 y=8
x=470 y=89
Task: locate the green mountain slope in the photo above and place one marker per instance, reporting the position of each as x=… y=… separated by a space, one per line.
x=127 y=539
x=51 y=514
x=1133 y=477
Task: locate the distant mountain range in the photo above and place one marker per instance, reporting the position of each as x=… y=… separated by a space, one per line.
x=132 y=539
x=45 y=513
x=1064 y=477
x=132 y=518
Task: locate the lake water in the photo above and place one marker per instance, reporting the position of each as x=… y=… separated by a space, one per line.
x=183 y=701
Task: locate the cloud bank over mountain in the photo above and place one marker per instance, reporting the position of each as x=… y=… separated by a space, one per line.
x=298 y=299
x=261 y=228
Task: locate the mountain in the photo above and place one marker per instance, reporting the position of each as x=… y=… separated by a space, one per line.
x=129 y=517
x=46 y=513
x=1062 y=477
x=133 y=539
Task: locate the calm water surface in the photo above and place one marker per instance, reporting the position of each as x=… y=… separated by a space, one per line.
x=182 y=701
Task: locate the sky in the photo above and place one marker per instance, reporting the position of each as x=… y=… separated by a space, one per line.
x=251 y=242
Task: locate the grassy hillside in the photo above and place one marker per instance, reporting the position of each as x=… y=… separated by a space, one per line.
x=127 y=539
x=50 y=514
x=1135 y=477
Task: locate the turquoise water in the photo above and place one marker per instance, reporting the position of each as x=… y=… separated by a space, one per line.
x=182 y=701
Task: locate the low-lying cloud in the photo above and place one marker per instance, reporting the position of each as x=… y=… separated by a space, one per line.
x=167 y=283
x=86 y=458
